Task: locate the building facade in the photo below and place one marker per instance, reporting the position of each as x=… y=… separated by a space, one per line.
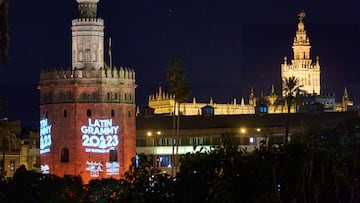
x=87 y=112
x=154 y=134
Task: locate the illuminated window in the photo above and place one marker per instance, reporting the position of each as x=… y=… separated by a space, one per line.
x=65 y=113
x=88 y=112
x=112 y=113
x=164 y=161
x=12 y=165
x=113 y=155
x=64 y=155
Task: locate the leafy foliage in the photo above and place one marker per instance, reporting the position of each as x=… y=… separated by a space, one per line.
x=176 y=75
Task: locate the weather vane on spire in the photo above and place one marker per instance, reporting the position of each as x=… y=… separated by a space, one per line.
x=302 y=15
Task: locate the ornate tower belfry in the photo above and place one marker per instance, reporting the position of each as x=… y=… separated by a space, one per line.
x=302 y=65
x=87 y=37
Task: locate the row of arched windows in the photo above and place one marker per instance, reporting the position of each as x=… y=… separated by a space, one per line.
x=64 y=158
x=48 y=97
x=88 y=113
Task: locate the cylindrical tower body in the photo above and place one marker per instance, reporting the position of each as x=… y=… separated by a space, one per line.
x=87 y=124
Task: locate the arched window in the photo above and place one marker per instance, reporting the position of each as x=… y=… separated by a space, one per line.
x=64 y=155
x=112 y=113
x=88 y=112
x=113 y=155
x=65 y=113
x=116 y=96
x=108 y=96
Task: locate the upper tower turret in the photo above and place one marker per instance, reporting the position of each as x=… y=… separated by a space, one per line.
x=301 y=44
x=87 y=37
x=87 y=8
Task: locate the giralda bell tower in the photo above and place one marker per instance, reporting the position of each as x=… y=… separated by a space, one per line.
x=87 y=111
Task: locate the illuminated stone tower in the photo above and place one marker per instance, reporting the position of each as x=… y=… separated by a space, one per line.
x=302 y=66
x=87 y=112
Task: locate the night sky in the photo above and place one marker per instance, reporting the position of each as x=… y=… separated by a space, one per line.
x=227 y=46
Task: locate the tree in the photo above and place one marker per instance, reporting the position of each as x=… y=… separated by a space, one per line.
x=4 y=31
x=179 y=88
x=291 y=88
x=8 y=139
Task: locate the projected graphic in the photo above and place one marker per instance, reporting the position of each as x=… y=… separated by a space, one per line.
x=45 y=136
x=99 y=135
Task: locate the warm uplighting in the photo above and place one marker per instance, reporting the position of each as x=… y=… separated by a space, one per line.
x=158 y=132
x=149 y=133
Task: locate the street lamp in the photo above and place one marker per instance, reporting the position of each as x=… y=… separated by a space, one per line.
x=150 y=134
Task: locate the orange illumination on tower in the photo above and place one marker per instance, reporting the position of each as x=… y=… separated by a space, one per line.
x=87 y=112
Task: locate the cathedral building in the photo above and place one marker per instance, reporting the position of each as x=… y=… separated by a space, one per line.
x=301 y=67
x=87 y=111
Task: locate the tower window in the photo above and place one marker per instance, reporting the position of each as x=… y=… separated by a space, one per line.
x=64 y=155
x=129 y=114
x=93 y=96
x=70 y=96
x=112 y=113
x=116 y=96
x=88 y=112
x=113 y=156
x=60 y=96
x=50 y=97
x=83 y=96
x=65 y=113
x=108 y=96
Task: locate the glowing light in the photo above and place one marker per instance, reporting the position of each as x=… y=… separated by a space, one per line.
x=243 y=130
x=149 y=134
x=252 y=140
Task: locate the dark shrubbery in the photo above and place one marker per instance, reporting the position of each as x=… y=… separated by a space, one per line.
x=317 y=165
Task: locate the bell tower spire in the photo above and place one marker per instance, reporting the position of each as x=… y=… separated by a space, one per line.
x=87 y=37
x=302 y=66
x=301 y=44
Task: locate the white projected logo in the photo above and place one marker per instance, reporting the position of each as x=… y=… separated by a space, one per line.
x=99 y=135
